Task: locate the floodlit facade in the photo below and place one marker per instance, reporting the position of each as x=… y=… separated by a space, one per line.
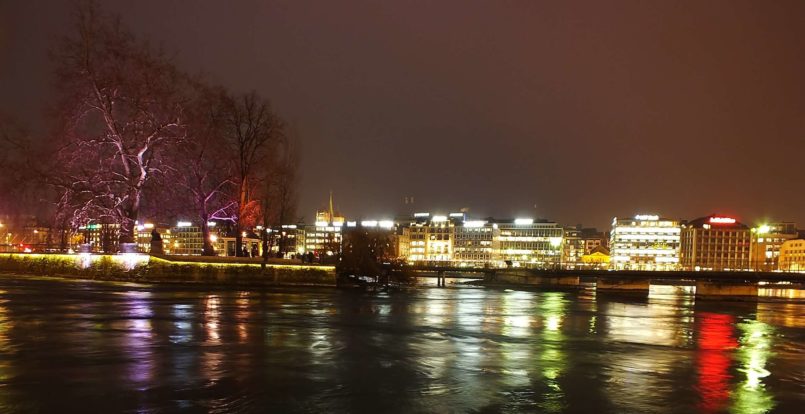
x=716 y=243
x=186 y=240
x=144 y=237
x=597 y=259
x=528 y=243
x=573 y=248
x=325 y=236
x=766 y=242
x=644 y=242
x=101 y=237
x=455 y=240
x=429 y=239
x=287 y=240
x=792 y=256
x=476 y=243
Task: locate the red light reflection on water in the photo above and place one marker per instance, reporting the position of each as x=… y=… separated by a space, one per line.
x=716 y=340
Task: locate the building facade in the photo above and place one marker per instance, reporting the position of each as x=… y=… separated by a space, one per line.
x=644 y=242
x=573 y=248
x=715 y=243
x=792 y=256
x=475 y=244
x=767 y=239
x=528 y=243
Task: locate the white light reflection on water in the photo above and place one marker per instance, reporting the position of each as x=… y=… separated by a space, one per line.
x=431 y=350
x=139 y=337
x=212 y=358
x=242 y=316
x=182 y=314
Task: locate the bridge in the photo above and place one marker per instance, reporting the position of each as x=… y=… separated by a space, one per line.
x=708 y=283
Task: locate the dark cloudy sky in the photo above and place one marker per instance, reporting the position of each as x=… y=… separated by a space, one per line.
x=585 y=110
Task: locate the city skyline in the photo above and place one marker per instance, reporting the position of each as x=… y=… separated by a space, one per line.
x=631 y=109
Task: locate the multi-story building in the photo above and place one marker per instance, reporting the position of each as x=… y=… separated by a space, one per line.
x=767 y=239
x=573 y=248
x=644 y=242
x=528 y=243
x=598 y=258
x=475 y=243
x=287 y=240
x=454 y=240
x=792 y=256
x=439 y=240
x=186 y=239
x=101 y=237
x=144 y=235
x=325 y=236
x=714 y=243
x=593 y=239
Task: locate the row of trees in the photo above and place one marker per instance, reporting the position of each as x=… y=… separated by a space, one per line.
x=136 y=136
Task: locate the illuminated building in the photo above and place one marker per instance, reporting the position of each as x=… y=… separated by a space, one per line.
x=325 y=236
x=644 y=242
x=186 y=240
x=429 y=239
x=457 y=241
x=714 y=243
x=144 y=237
x=528 y=243
x=475 y=243
x=287 y=240
x=792 y=256
x=593 y=239
x=573 y=248
x=101 y=237
x=767 y=239
x=598 y=258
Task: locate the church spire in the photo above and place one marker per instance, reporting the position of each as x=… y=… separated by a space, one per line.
x=332 y=212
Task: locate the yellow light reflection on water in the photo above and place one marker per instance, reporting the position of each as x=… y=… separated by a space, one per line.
x=751 y=395
x=552 y=357
x=5 y=326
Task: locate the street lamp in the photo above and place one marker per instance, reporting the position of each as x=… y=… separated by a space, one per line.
x=556 y=242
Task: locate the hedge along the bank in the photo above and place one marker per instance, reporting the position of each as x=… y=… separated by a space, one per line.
x=165 y=270
x=103 y=267
x=159 y=270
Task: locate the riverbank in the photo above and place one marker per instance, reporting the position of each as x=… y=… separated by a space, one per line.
x=166 y=269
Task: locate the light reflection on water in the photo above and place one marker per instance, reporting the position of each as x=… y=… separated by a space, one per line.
x=162 y=348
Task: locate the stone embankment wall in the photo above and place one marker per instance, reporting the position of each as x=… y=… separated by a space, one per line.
x=144 y=268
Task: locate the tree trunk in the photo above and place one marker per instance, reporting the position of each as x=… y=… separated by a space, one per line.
x=208 y=249
x=238 y=241
x=127 y=225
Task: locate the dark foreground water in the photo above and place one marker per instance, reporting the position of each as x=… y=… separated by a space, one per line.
x=68 y=346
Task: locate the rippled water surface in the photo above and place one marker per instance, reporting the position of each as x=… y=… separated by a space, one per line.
x=100 y=347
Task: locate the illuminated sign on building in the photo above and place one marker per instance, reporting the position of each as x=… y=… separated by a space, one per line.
x=722 y=220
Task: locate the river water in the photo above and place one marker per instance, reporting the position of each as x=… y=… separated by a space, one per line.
x=69 y=346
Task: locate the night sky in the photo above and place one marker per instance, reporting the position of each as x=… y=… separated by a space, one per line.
x=574 y=111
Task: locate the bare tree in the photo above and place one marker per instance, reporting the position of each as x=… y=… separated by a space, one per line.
x=280 y=191
x=25 y=163
x=252 y=132
x=202 y=168
x=120 y=107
